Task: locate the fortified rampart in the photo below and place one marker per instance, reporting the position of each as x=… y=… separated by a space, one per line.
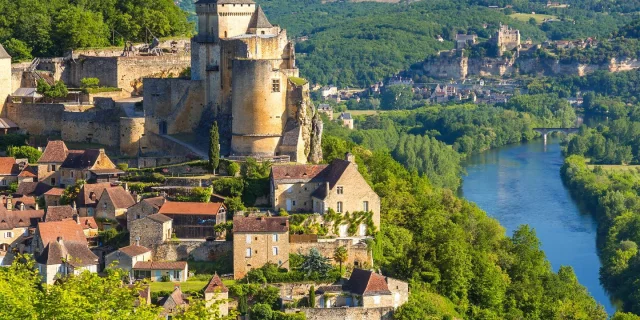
x=173 y=105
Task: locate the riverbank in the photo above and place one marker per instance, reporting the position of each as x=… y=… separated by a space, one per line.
x=613 y=198
x=519 y=184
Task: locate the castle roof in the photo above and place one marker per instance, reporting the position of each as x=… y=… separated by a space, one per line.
x=3 y=53
x=259 y=19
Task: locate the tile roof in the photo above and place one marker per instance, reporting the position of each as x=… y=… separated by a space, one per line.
x=88 y=223
x=120 y=197
x=159 y=217
x=155 y=201
x=16 y=201
x=81 y=159
x=160 y=265
x=259 y=19
x=32 y=188
x=172 y=302
x=260 y=224
x=293 y=173
x=10 y=219
x=366 y=283
x=85 y=196
x=69 y=230
x=215 y=285
x=29 y=172
x=191 y=208
x=59 y=213
x=8 y=166
x=54 y=192
x=55 y=152
x=333 y=174
x=6 y=123
x=345 y=116
x=76 y=254
x=134 y=250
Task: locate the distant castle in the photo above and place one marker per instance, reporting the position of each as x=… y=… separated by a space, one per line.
x=506 y=39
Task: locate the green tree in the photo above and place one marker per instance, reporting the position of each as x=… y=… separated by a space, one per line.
x=312 y=297
x=398 y=97
x=341 y=254
x=214 y=147
x=18 y=50
x=314 y=262
x=90 y=83
x=27 y=152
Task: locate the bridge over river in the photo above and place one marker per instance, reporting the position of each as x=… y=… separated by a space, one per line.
x=545 y=131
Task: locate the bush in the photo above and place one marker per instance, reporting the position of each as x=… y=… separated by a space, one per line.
x=141 y=187
x=233 y=168
x=90 y=83
x=228 y=187
x=123 y=166
x=145 y=177
x=22 y=152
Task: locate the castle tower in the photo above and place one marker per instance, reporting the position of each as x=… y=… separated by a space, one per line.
x=5 y=77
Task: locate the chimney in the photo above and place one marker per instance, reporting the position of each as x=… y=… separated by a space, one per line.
x=137 y=240
x=10 y=202
x=350 y=157
x=126 y=186
x=74 y=206
x=21 y=206
x=37 y=206
x=76 y=218
x=59 y=239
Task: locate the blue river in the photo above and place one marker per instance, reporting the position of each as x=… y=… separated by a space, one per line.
x=521 y=184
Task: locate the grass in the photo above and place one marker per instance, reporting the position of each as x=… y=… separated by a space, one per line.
x=189 y=285
x=298 y=81
x=524 y=17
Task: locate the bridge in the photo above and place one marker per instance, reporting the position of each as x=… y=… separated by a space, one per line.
x=545 y=131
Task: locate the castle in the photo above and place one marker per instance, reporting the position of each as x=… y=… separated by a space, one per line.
x=507 y=39
x=243 y=75
x=5 y=75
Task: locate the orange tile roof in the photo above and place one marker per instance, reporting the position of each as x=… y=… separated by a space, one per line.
x=8 y=166
x=216 y=285
x=134 y=250
x=200 y=208
x=120 y=197
x=55 y=152
x=29 y=172
x=54 y=192
x=88 y=223
x=160 y=265
x=260 y=224
x=69 y=230
x=304 y=172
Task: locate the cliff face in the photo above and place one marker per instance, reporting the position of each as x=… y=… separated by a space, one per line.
x=307 y=119
x=462 y=67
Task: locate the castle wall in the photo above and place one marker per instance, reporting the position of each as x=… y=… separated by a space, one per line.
x=196 y=250
x=259 y=111
x=233 y=19
x=5 y=80
x=38 y=118
x=103 y=68
x=131 y=70
x=178 y=102
x=131 y=131
x=100 y=126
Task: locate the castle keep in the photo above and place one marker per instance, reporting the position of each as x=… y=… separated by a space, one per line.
x=251 y=84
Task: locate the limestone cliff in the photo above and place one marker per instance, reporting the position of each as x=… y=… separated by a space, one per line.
x=315 y=156
x=307 y=119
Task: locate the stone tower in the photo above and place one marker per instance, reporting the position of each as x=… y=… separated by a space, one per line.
x=507 y=39
x=251 y=81
x=5 y=77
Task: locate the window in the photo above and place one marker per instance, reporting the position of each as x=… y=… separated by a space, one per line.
x=53 y=181
x=248 y=240
x=339 y=207
x=248 y=253
x=137 y=216
x=294 y=202
x=365 y=206
x=8 y=234
x=71 y=174
x=4 y=182
x=275 y=85
x=53 y=167
x=340 y=190
x=275 y=237
x=176 y=274
x=275 y=251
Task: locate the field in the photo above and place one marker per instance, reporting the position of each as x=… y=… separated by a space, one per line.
x=195 y=285
x=524 y=17
x=616 y=167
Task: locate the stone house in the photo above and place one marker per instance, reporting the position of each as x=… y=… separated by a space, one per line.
x=113 y=203
x=195 y=220
x=364 y=289
x=318 y=188
x=35 y=189
x=177 y=271
x=216 y=291
x=326 y=109
x=61 y=248
x=16 y=226
x=89 y=196
x=127 y=257
x=59 y=166
x=151 y=230
x=53 y=196
x=9 y=171
x=173 y=303
x=257 y=241
x=28 y=174
x=346 y=119
x=144 y=208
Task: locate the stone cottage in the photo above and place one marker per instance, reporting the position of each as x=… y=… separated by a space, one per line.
x=217 y=291
x=9 y=171
x=194 y=220
x=257 y=241
x=143 y=208
x=151 y=230
x=113 y=203
x=317 y=188
x=127 y=257
x=16 y=227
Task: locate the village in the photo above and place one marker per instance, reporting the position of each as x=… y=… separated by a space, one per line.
x=112 y=183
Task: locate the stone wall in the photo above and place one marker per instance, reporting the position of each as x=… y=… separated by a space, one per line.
x=6 y=79
x=297 y=290
x=359 y=254
x=131 y=70
x=131 y=132
x=38 y=118
x=353 y=313
x=176 y=102
x=193 y=250
x=101 y=126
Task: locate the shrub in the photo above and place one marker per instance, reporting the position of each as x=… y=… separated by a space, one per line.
x=123 y=166
x=90 y=83
x=22 y=152
x=233 y=168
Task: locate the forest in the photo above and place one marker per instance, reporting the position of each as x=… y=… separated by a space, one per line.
x=33 y=28
x=613 y=198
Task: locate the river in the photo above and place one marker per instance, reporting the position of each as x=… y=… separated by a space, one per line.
x=521 y=184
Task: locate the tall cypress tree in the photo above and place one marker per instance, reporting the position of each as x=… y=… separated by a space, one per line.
x=214 y=148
